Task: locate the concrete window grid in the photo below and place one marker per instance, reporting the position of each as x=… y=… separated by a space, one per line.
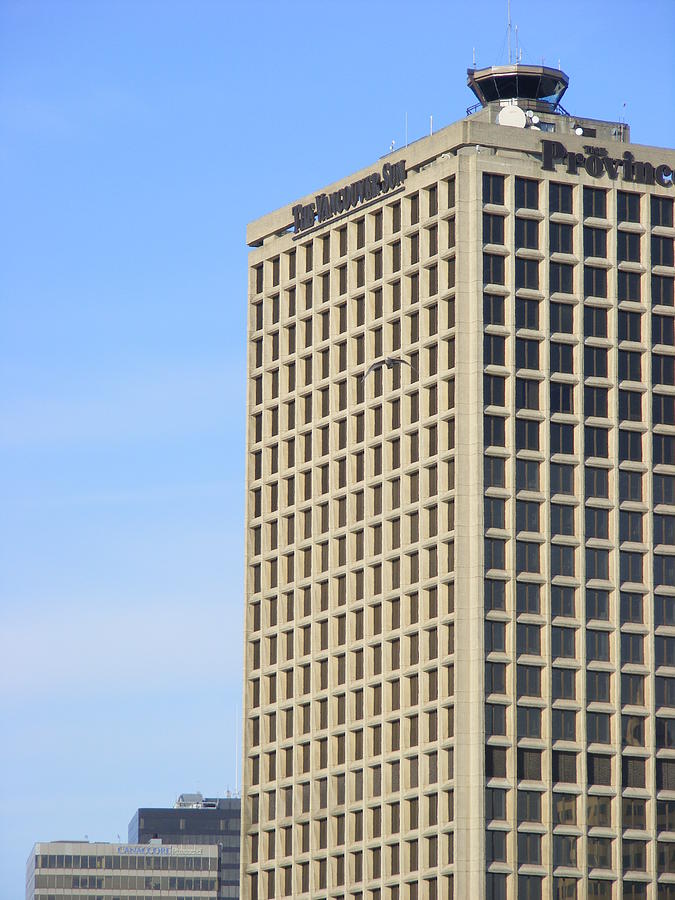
x=576 y=420
x=430 y=537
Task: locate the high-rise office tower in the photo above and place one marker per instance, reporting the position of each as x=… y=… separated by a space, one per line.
x=460 y=609
x=197 y=820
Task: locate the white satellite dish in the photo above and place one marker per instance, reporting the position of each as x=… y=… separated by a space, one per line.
x=579 y=130
x=513 y=116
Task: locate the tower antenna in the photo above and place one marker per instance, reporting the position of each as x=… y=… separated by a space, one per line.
x=508 y=15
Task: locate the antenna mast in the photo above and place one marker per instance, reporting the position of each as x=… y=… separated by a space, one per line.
x=508 y=14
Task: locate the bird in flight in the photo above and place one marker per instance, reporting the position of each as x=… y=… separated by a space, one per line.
x=389 y=362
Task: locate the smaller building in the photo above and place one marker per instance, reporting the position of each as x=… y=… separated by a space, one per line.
x=79 y=869
x=197 y=820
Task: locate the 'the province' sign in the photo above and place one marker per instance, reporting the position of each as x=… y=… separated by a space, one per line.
x=597 y=162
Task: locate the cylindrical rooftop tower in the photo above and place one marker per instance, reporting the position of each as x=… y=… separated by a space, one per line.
x=538 y=87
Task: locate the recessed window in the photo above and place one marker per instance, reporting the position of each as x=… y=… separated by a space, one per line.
x=562 y=318
x=527 y=393
x=630 y=485
x=564 y=809
x=529 y=681
x=527 y=434
x=494 y=594
x=527 y=193
x=662 y=211
x=561 y=278
x=662 y=290
x=560 y=197
x=494 y=470
x=595 y=402
x=630 y=365
x=564 y=725
x=595 y=321
x=527 y=556
x=493 y=309
x=595 y=203
x=527 y=273
x=493 y=269
x=562 y=438
x=630 y=406
x=527 y=515
x=597 y=605
x=527 y=234
x=562 y=601
x=662 y=251
x=527 y=475
x=629 y=286
x=493 y=189
x=563 y=684
x=495 y=719
x=562 y=519
x=493 y=229
x=596 y=442
x=562 y=397
x=663 y=369
x=597 y=564
x=493 y=390
x=663 y=330
x=562 y=478
x=493 y=349
x=494 y=512
x=562 y=358
x=595 y=282
x=527 y=353
x=494 y=434
x=528 y=598
x=627 y=247
x=630 y=326
x=597 y=482
x=597 y=683
x=564 y=766
x=560 y=238
x=527 y=314
x=627 y=207
x=595 y=242
x=597 y=522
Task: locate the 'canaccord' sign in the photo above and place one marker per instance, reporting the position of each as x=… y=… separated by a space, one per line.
x=158 y=850
x=597 y=162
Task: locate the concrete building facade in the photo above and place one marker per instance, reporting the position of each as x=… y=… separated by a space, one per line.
x=460 y=590
x=80 y=870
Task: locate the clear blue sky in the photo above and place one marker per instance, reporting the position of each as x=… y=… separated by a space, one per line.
x=136 y=141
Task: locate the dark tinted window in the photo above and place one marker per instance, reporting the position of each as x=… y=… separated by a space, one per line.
x=595 y=203
x=560 y=238
x=493 y=189
x=560 y=197
x=628 y=207
x=527 y=193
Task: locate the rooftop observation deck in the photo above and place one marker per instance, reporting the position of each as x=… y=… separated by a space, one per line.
x=539 y=87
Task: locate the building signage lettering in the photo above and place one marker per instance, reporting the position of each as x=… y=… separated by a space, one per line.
x=158 y=850
x=597 y=162
x=325 y=206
